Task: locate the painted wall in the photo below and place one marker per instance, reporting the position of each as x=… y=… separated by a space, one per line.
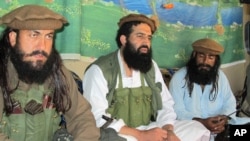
x=235 y=72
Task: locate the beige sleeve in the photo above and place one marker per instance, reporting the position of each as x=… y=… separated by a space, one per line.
x=80 y=120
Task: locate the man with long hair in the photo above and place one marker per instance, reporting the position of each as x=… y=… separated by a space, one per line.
x=37 y=92
x=201 y=90
x=127 y=91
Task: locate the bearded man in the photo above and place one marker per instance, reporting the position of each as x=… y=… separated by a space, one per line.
x=201 y=90
x=37 y=92
x=127 y=91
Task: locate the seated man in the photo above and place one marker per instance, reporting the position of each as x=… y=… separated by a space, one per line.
x=127 y=86
x=37 y=92
x=201 y=90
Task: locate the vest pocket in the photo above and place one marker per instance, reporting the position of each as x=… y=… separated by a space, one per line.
x=133 y=105
x=119 y=105
x=14 y=126
x=26 y=127
x=52 y=123
x=140 y=106
x=41 y=127
x=35 y=127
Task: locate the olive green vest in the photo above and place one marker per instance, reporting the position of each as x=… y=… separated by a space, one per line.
x=133 y=105
x=22 y=126
x=110 y=67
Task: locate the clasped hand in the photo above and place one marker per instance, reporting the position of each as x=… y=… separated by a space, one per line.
x=158 y=134
x=216 y=124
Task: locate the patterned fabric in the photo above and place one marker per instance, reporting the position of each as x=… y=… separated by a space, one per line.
x=173 y=39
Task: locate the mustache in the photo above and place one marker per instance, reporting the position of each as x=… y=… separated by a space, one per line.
x=204 y=65
x=37 y=52
x=143 y=46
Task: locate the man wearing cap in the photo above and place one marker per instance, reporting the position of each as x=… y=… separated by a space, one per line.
x=37 y=93
x=127 y=91
x=201 y=90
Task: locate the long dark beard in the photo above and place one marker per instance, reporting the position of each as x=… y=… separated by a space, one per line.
x=135 y=59
x=26 y=71
x=202 y=76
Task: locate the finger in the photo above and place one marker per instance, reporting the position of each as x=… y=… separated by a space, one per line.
x=218 y=130
x=215 y=130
